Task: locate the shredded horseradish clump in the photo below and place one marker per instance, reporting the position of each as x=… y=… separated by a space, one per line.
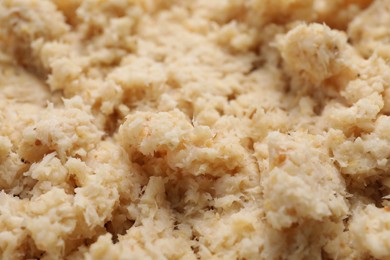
x=204 y=129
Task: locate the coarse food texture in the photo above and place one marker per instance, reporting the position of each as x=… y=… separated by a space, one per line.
x=202 y=129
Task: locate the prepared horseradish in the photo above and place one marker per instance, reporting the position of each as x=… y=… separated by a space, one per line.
x=204 y=129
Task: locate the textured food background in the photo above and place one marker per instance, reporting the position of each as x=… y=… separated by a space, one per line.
x=211 y=129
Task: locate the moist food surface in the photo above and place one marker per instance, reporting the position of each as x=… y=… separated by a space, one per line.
x=151 y=129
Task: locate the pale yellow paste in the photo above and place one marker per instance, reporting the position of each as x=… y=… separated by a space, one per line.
x=194 y=129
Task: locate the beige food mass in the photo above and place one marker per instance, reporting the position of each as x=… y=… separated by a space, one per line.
x=205 y=129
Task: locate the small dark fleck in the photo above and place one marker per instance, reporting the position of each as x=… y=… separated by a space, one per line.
x=252 y=114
